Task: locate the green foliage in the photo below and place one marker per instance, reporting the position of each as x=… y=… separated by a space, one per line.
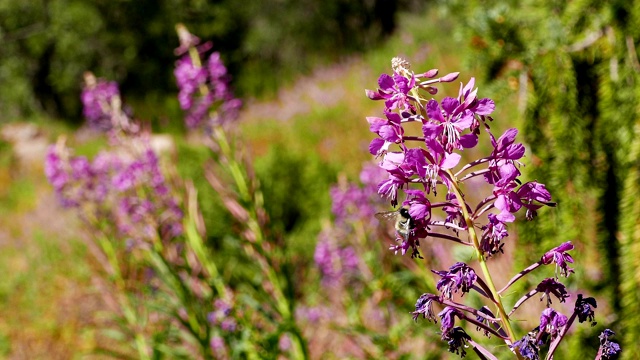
x=296 y=193
x=47 y=45
x=579 y=63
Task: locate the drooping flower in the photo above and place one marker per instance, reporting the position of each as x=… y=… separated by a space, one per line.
x=533 y=196
x=584 y=309
x=492 y=235
x=459 y=277
x=551 y=322
x=608 y=350
x=456 y=339
x=528 y=345
x=559 y=256
x=424 y=307
x=481 y=319
x=448 y=318
x=551 y=286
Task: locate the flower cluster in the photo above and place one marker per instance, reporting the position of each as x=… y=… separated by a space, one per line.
x=351 y=204
x=99 y=97
x=203 y=87
x=427 y=161
x=124 y=185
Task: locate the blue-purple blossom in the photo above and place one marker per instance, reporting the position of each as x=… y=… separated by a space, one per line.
x=552 y=286
x=448 y=318
x=459 y=277
x=584 y=309
x=559 y=256
x=608 y=350
x=528 y=346
x=551 y=322
x=424 y=307
x=456 y=339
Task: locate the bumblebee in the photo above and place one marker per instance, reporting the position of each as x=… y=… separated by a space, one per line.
x=404 y=224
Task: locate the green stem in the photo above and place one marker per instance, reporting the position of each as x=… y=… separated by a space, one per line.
x=473 y=236
x=127 y=309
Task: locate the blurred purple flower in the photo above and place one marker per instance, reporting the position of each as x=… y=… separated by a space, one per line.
x=204 y=91
x=97 y=98
x=335 y=263
x=608 y=350
x=126 y=188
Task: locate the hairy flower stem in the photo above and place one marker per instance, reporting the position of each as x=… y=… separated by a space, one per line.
x=473 y=237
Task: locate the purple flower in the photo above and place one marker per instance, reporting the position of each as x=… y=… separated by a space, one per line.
x=217 y=344
x=608 y=349
x=449 y=125
x=222 y=316
x=507 y=201
x=584 y=309
x=551 y=286
x=457 y=340
x=97 y=98
x=188 y=78
x=559 y=256
x=447 y=318
x=534 y=191
x=459 y=277
x=551 y=321
x=492 y=235
x=389 y=130
x=201 y=88
x=335 y=263
x=528 y=346
x=503 y=157
x=481 y=319
x=424 y=307
x=54 y=169
x=394 y=90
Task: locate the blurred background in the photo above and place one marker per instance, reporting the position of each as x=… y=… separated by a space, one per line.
x=567 y=74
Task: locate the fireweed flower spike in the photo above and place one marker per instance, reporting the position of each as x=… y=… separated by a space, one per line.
x=204 y=91
x=421 y=163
